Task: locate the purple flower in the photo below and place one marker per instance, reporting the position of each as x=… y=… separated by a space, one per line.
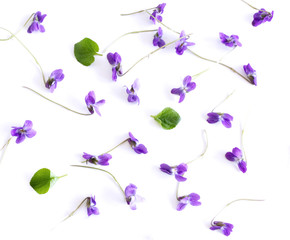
x=130 y=194
x=157 y=13
x=262 y=16
x=214 y=117
x=182 y=44
x=91 y=206
x=35 y=25
x=55 y=76
x=22 y=132
x=231 y=41
x=191 y=199
x=187 y=87
x=101 y=160
x=177 y=170
x=157 y=41
x=138 y=148
x=132 y=95
x=251 y=74
x=92 y=104
x=237 y=156
x=115 y=60
x=226 y=228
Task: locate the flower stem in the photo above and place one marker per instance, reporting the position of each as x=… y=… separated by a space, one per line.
x=242 y=144
x=28 y=52
x=84 y=114
x=116 y=146
x=198 y=74
x=127 y=14
x=72 y=213
x=62 y=176
x=12 y=35
x=102 y=171
x=4 y=147
x=154 y=52
x=250 y=5
x=134 y=32
x=204 y=151
x=241 y=199
x=223 y=100
x=177 y=189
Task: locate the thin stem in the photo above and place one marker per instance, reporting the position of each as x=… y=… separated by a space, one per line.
x=134 y=32
x=242 y=144
x=28 y=52
x=177 y=189
x=102 y=171
x=223 y=100
x=76 y=209
x=6 y=144
x=62 y=176
x=198 y=74
x=84 y=114
x=250 y=5
x=116 y=146
x=12 y=35
x=204 y=151
x=241 y=199
x=4 y=147
x=154 y=52
x=127 y=14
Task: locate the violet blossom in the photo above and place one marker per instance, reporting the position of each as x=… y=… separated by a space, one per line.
x=115 y=60
x=101 y=160
x=225 y=118
x=157 y=13
x=182 y=44
x=131 y=197
x=187 y=87
x=157 y=40
x=22 y=132
x=237 y=156
x=91 y=206
x=226 y=228
x=230 y=41
x=262 y=16
x=55 y=77
x=92 y=105
x=191 y=199
x=138 y=148
x=36 y=23
x=251 y=74
x=178 y=171
x=132 y=95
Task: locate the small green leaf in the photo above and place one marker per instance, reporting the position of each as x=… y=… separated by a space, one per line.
x=42 y=180
x=168 y=118
x=85 y=50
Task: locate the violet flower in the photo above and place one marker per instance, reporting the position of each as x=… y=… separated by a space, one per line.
x=115 y=60
x=130 y=195
x=157 y=13
x=36 y=23
x=230 y=41
x=251 y=74
x=157 y=40
x=187 y=87
x=225 y=118
x=237 y=156
x=101 y=160
x=22 y=132
x=262 y=16
x=191 y=199
x=92 y=105
x=55 y=77
x=132 y=95
x=178 y=171
x=226 y=228
x=182 y=44
x=91 y=206
x=138 y=148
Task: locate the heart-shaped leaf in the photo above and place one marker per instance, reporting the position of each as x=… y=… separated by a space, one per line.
x=168 y=118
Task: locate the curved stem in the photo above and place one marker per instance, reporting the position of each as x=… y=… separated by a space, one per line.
x=204 y=151
x=12 y=35
x=134 y=32
x=250 y=5
x=28 y=52
x=116 y=146
x=241 y=199
x=223 y=100
x=154 y=52
x=84 y=114
x=4 y=147
x=71 y=214
x=127 y=14
x=102 y=171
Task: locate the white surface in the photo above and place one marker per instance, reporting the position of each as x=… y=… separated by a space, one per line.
x=62 y=136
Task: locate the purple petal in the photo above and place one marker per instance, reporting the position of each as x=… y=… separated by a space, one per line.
x=88 y=156
x=30 y=133
x=132 y=137
x=186 y=80
x=190 y=86
x=166 y=168
x=214 y=227
x=180 y=178
x=181 y=97
x=140 y=149
x=238 y=152
x=114 y=74
x=41 y=28
x=20 y=138
x=193 y=197
x=33 y=27
x=242 y=166
x=111 y=58
x=92 y=210
x=14 y=132
x=130 y=190
x=180 y=206
x=181 y=168
x=230 y=156
x=177 y=91
x=213 y=117
x=27 y=125
x=136 y=85
x=227 y=116
x=227 y=123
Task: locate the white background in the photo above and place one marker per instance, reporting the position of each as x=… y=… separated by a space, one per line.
x=63 y=136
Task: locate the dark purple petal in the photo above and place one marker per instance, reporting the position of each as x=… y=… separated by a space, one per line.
x=180 y=206
x=40 y=17
x=227 y=123
x=57 y=75
x=214 y=227
x=140 y=149
x=193 y=197
x=20 y=138
x=237 y=152
x=14 y=131
x=33 y=27
x=186 y=80
x=132 y=137
x=161 y=43
x=213 y=117
x=190 y=86
x=242 y=166
x=177 y=91
x=166 y=168
x=227 y=116
x=160 y=7
x=230 y=156
x=90 y=98
x=180 y=178
x=181 y=97
x=181 y=168
x=133 y=98
x=104 y=158
x=88 y=156
x=114 y=74
x=111 y=59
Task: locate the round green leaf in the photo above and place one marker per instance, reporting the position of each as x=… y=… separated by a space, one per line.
x=85 y=51
x=42 y=180
x=168 y=118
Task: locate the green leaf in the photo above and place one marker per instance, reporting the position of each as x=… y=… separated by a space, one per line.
x=168 y=118
x=85 y=51
x=42 y=180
